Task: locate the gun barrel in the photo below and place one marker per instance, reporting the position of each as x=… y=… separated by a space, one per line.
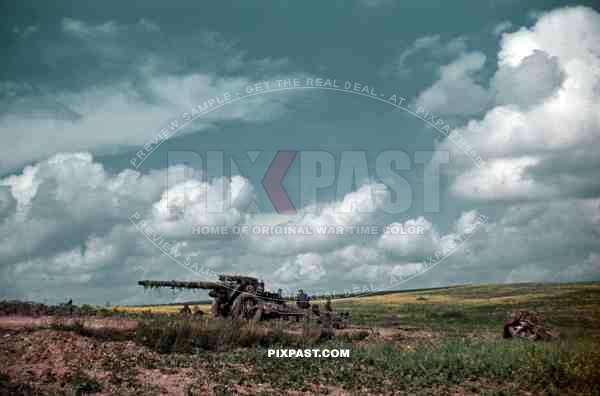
x=181 y=285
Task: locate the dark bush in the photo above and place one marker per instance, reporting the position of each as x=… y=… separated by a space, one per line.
x=83 y=384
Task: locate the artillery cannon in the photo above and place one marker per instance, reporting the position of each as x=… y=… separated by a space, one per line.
x=245 y=297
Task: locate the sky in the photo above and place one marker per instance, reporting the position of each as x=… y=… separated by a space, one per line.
x=479 y=129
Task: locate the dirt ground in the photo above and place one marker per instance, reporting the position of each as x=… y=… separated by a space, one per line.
x=34 y=352
x=46 y=359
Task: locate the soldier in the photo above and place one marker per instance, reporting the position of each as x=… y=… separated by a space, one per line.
x=302 y=300
x=185 y=311
x=70 y=306
x=220 y=299
x=198 y=313
x=315 y=309
x=328 y=304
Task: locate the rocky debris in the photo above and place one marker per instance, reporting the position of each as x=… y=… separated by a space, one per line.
x=528 y=325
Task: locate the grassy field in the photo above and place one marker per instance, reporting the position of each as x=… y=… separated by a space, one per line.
x=437 y=342
x=428 y=342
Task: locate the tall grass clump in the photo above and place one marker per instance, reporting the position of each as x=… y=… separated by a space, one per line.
x=188 y=336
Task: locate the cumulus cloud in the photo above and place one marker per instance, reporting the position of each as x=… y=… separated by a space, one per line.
x=66 y=222
x=457 y=91
x=421 y=244
x=538 y=142
x=186 y=205
x=304 y=268
x=68 y=218
x=7 y=202
x=149 y=92
x=552 y=241
x=536 y=78
x=547 y=116
x=66 y=225
x=502 y=27
x=335 y=219
x=121 y=114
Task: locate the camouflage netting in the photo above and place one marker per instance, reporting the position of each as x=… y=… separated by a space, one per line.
x=528 y=325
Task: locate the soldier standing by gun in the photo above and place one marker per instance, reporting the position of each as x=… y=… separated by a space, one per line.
x=302 y=300
x=328 y=304
x=185 y=312
x=219 y=300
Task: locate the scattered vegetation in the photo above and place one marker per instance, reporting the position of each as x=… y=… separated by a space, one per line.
x=83 y=384
x=442 y=342
x=166 y=335
x=101 y=333
x=10 y=388
x=384 y=368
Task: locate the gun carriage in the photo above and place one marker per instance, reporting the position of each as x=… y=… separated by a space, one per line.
x=245 y=297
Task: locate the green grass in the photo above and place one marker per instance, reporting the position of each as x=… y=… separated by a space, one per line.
x=481 y=307
x=451 y=343
x=560 y=368
x=465 y=353
x=167 y=335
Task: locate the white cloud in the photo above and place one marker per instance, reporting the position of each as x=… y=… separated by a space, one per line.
x=86 y=31
x=185 y=205
x=130 y=109
x=302 y=268
x=553 y=241
x=120 y=115
x=502 y=179
x=456 y=91
x=66 y=219
x=66 y=222
x=422 y=244
x=356 y=208
x=502 y=27
x=66 y=225
x=536 y=78
x=547 y=82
